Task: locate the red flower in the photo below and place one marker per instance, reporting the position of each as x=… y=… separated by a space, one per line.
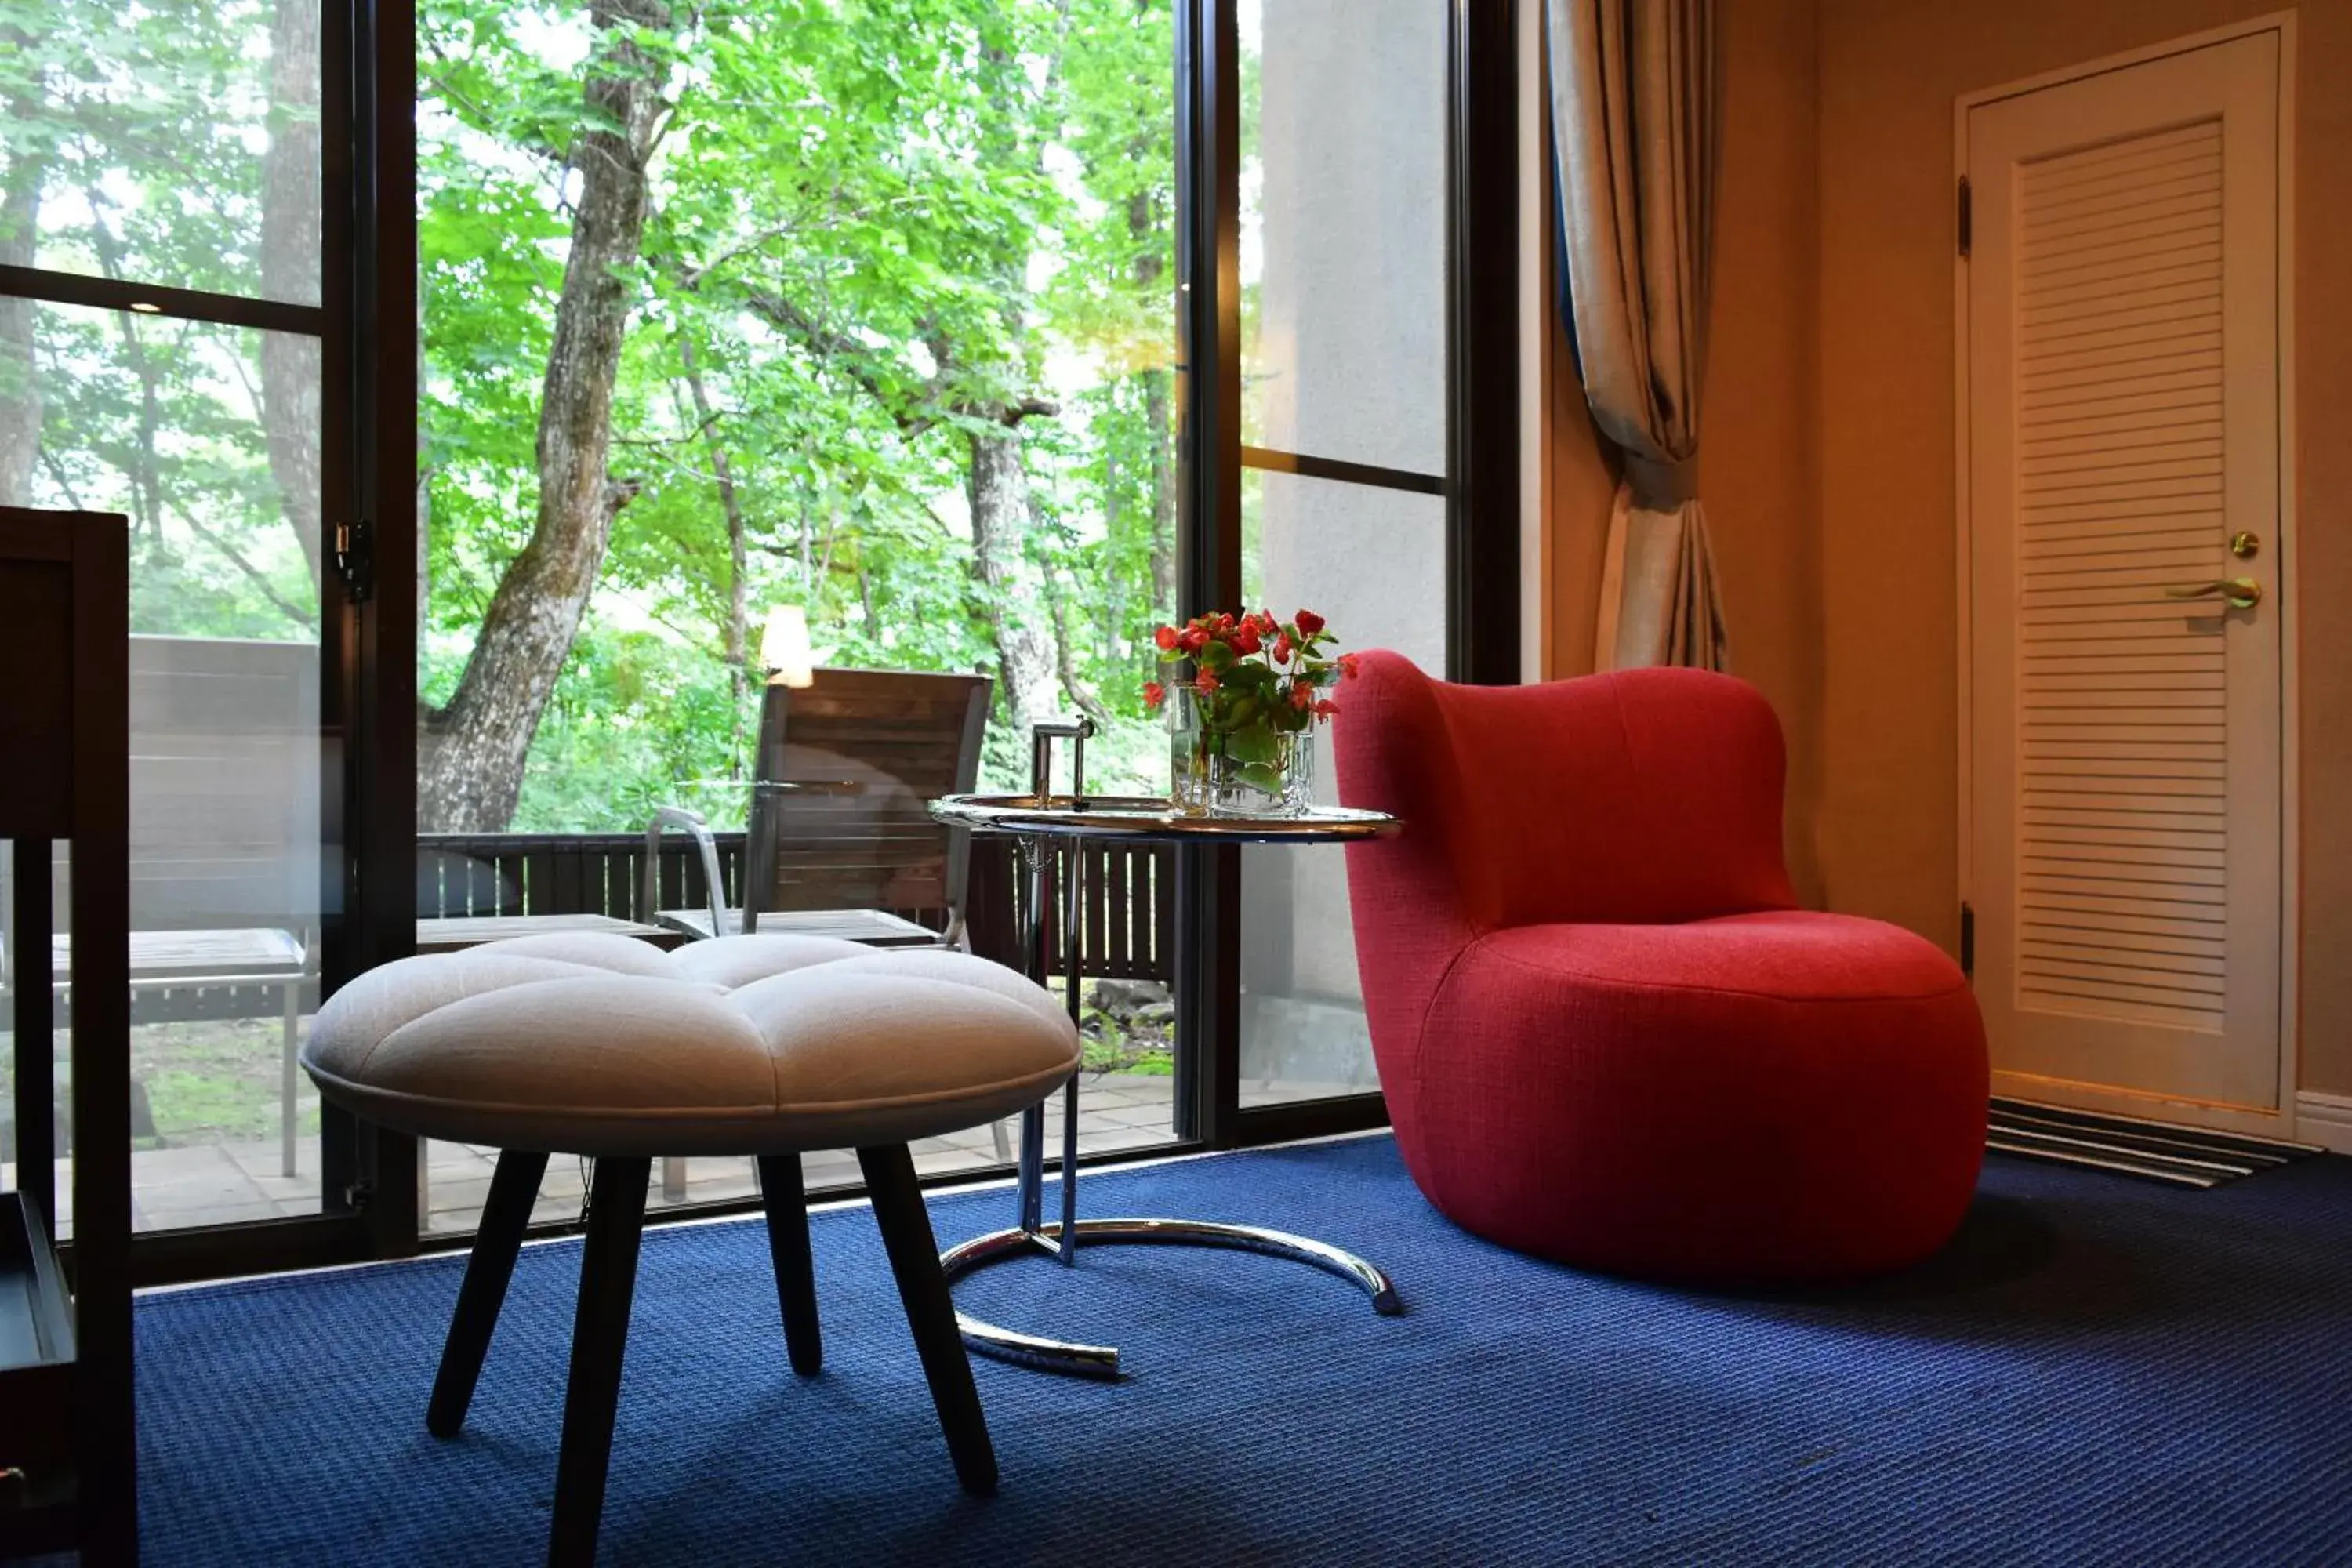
x=1266 y=625
x=1192 y=639
x=1283 y=648
x=1154 y=693
x=1307 y=622
x=1165 y=637
x=1347 y=663
x=1301 y=694
x=1325 y=709
x=1245 y=639
x=1224 y=622
x=1207 y=682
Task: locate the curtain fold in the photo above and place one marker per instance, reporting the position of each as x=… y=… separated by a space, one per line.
x=1634 y=125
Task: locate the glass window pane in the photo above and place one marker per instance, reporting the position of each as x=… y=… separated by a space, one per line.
x=173 y=142
x=207 y=437
x=897 y=353
x=1343 y=229
x=1372 y=563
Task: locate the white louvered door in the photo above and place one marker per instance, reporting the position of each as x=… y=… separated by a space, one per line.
x=2122 y=427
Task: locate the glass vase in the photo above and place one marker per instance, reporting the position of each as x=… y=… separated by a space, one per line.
x=1283 y=787
x=1188 y=753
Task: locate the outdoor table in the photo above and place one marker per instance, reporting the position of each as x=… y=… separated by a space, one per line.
x=1035 y=822
x=448 y=933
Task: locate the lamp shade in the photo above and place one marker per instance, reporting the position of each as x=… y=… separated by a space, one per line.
x=784 y=647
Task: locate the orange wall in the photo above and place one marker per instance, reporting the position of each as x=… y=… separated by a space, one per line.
x=1889 y=718
x=1828 y=428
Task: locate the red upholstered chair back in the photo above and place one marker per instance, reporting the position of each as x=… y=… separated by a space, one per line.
x=1644 y=796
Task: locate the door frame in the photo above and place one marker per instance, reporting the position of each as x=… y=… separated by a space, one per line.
x=1481 y=485
x=2286 y=568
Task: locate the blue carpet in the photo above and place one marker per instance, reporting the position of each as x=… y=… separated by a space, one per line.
x=2099 y=1371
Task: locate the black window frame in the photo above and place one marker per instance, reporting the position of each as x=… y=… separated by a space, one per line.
x=1480 y=486
x=367 y=322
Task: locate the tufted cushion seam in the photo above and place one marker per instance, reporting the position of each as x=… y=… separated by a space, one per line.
x=586 y=971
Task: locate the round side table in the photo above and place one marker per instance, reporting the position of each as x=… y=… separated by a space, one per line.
x=1035 y=822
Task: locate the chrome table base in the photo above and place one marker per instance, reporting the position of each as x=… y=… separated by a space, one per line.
x=1061 y=1240
x=1102 y=1360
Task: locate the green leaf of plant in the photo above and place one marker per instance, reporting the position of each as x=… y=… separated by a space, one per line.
x=1260 y=775
x=1252 y=744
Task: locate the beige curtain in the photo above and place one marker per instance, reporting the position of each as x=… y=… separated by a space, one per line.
x=1633 y=128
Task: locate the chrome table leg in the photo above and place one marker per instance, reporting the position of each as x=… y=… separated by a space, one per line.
x=1102 y=1360
x=1032 y=1180
x=1030 y=1233
x=1073 y=903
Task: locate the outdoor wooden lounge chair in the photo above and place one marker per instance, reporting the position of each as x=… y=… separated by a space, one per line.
x=841 y=841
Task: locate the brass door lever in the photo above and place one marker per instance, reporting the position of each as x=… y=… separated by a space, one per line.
x=2243 y=593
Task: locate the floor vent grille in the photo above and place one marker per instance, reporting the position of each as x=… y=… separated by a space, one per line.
x=2155 y=1150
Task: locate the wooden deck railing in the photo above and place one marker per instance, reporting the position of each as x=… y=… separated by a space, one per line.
x=564 y=874
x=1129 y=916
x=1126 y=921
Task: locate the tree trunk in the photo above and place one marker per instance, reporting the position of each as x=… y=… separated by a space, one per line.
x=291 y=205
x=145 y=468
x=1150 y=269
x=1144 y=214
x=998 y=488
x=20 y=389
x=1084 y=698
x=423 y=542
x=1019 y=616
x=423 y=486
x=738 y=566
x=471 y=755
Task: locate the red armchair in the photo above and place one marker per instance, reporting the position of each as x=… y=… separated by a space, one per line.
x=1605 y=1032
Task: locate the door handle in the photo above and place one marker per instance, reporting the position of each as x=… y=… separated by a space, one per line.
x=2243 y=593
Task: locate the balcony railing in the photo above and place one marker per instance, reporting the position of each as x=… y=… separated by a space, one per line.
x=564 y=874
x=1128 y=919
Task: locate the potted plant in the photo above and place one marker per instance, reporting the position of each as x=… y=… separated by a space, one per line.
x=1241 y=722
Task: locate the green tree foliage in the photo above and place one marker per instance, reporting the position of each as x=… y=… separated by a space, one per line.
x=137 y=144
x=897 y=346
x=904 y=277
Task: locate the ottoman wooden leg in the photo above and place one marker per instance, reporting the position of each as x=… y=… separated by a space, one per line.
x=600 y=1334
x=514 y=1187
x=787 y=1200
x=905 y=1226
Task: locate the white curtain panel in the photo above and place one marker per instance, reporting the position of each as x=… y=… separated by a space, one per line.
x=1634 y=125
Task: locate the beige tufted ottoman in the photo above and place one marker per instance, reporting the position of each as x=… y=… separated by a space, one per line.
x=759 y=1046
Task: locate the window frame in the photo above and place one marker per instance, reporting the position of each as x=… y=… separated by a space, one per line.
x=1480 y=487
x=367 y=322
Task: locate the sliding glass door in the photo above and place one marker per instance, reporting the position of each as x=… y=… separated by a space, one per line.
x=162 y=334
x=477 y=379
x=860 y=313
x=1355 y=167
x=1344 y=411
x=181 y=293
